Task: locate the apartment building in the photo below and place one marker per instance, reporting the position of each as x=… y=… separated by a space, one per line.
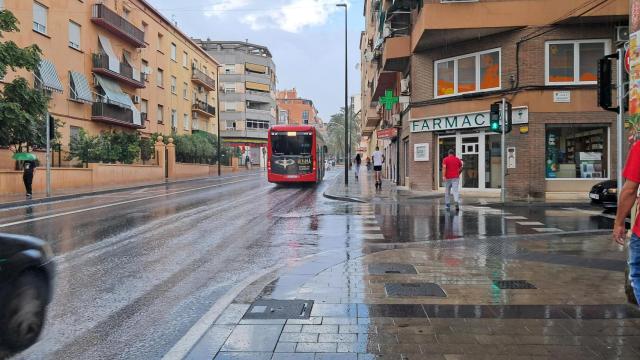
x=117 y=65
x=247 y=95
x=295 y=110
x=431 y=69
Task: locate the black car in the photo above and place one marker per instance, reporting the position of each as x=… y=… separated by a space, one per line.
x=605 y=194
x=26 y=278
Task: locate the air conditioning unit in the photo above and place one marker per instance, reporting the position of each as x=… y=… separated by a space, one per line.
x=405 y=88
x=622 y=33
x=136 y=99
x=368 y=56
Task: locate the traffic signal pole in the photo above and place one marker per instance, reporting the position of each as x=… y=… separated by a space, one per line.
x=48 y=155
x=620 y=116
x=503 y=157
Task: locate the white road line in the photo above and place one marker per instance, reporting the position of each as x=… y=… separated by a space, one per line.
x=515 y=217
x=591 y=212
x=372 y=237
x=114 y=204
x=529 y=223
x=370 y=228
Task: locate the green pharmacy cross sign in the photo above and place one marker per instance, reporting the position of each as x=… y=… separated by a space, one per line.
x=388 y=100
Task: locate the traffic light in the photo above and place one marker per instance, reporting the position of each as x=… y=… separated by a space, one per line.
x=509 y=120
x=52 y=127
x=494 y=118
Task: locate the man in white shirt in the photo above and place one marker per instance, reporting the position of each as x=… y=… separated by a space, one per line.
x=378 y=160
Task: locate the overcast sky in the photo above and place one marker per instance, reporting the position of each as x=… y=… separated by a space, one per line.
x=306 y=38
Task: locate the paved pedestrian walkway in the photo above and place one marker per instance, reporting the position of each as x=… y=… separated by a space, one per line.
x=545 y=296
x=362 y=189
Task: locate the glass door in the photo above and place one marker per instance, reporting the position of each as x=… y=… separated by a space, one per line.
x=470 y=160
x=444 y=145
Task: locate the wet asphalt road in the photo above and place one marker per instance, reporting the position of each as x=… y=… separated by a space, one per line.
x=137 y=269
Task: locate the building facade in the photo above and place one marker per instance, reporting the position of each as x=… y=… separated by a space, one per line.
x=247 y=94
x=440 y=76
x=294 y=110
x=116 y=65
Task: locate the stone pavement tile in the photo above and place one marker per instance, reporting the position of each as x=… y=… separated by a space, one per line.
x=533 y=350
x=262 y=321
x=456 y=339
x=334 y=310
x=386 y=310
x=243 y=356
x=343 y=356
x=421 y=330
x=317 y=347
x=253 y=338
x=299 y=337
x=292 y=328
x=359 y=347
x=441 y=349
x=399 y=348
x=570 y=352
x=339 y=321
x=338 y=338
x=314 y=320
x=386 y=357
x=210 y=342
x=322 y=329
x=416 y=339
x=357 y=329
x=285 y=347
x=410 y=321
x=232 y=314
x=555 y=340
x=496 y=339
x=293 y=356
x=382 y=338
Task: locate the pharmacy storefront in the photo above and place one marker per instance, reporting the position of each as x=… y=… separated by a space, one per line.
x=468 y=135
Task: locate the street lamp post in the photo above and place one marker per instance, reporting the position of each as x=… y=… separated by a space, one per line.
x=218 y=114
x=346 y=99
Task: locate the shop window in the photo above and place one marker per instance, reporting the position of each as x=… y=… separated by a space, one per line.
x=574 y=62
x=576 y=152
x=468 y=73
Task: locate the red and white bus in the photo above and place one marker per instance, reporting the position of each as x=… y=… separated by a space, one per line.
x=296 y=154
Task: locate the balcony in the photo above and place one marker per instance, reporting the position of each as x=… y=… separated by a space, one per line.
x=396 y=53
x=238 y=135
x=203 y=108
x=113 y=114
x=203 y=79
x=125 y=74
x=439 y=24
x=119 y=26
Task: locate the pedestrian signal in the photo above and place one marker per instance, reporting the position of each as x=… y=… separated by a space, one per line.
x=494 y=118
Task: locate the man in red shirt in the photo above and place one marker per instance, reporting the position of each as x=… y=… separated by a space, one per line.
x=626 y=200
x=451 y=170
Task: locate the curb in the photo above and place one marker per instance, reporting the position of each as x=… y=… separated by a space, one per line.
x=51 y=199
x=343 y=198
x=535 y=204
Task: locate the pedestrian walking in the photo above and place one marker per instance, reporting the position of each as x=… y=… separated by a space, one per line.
x=357 y=161
x=451 y=170
x=626 y=200
x=247 y=161
x=28 y=167
x=378 y=160
x=368 y=164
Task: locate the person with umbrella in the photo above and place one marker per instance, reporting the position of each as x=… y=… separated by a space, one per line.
x=28 y=168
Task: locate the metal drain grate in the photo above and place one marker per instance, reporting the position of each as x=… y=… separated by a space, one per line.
x=414 y=289
x=391 y=268
x=279 y=309
x=513 y=284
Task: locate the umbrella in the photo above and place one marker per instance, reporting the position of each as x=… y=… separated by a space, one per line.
x=24 y=156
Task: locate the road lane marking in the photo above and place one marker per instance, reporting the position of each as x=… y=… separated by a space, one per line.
x=530 y=223
x=546 y=229
x=515 y=217
x=115 y=204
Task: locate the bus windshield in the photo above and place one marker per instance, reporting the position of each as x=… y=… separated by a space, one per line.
x=283 y=143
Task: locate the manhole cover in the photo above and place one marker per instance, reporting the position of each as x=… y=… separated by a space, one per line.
x=414 y=289
x=513 y=284
x=279 y=309
x=391 y=268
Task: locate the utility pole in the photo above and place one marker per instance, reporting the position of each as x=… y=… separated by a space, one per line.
x=48 y=154
x=346 y=99
x=218 y=115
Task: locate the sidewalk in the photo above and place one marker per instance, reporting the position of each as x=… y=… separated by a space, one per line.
x=361 y=190
x=40 y=198
x=538 y=297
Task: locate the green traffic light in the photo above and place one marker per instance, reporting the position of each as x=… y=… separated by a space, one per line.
x=495 y=126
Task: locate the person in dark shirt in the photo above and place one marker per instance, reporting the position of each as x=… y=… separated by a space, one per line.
x=27 y=176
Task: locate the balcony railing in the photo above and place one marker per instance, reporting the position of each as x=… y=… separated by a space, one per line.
x=113 y=114
x=110 y=20
x=125 y=74
x=203 y=79
x=203 y=107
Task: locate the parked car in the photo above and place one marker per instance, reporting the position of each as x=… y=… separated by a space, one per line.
x=26 y=278
x=605 y=194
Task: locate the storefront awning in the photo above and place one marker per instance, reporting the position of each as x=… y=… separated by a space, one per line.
x=257 y=86
x=256 y=68
x=80 y=87
x=48 y=76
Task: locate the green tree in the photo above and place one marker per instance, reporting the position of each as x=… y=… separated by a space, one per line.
x=147 y=148
x=335 y=134
x=84 y=148
x=22 y=108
